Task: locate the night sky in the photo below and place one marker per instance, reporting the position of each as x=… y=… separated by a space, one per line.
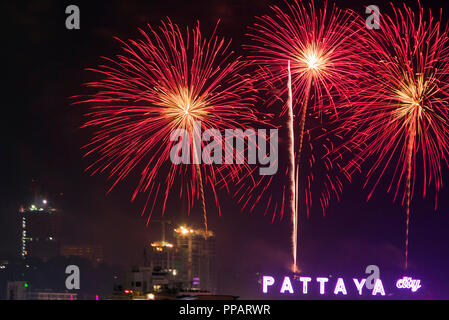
x=41 y=139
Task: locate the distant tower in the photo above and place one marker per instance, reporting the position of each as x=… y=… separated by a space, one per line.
x=162 y=256
x=40 y=231
x=195 y=259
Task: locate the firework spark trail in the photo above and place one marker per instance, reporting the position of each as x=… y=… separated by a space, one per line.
x=412 y=128
x=161 y=83
x=408 y=186
x=203 y=200
x=298 y=162
x=401 y=121
x=196 y=162
x=293 y=183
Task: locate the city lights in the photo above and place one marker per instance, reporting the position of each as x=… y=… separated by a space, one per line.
x=150 y=296
x=187 y=231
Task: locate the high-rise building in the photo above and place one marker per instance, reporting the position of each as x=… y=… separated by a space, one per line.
x=162 y=256
x=179 y=268
x=195 y=258
x=40 y=231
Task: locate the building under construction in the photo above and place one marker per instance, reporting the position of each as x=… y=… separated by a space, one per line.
x=195 y=258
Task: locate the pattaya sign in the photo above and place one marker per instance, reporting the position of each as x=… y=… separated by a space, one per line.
x=303 y=285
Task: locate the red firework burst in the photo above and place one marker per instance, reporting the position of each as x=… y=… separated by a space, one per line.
x=401 y=120
x=317 y=43
x=310 y=54
x=164 y=82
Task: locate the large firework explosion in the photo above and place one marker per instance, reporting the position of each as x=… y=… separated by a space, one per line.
x=308 y=56
x=400 y=119
x=167 y=80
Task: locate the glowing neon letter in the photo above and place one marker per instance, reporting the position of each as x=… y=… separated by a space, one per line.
x=267 y=281
x=378 y=288
x=305 y=281
x=340 y=287
x=287 y=285
x=408 y=283
x=359 y=285
x=322 y=282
